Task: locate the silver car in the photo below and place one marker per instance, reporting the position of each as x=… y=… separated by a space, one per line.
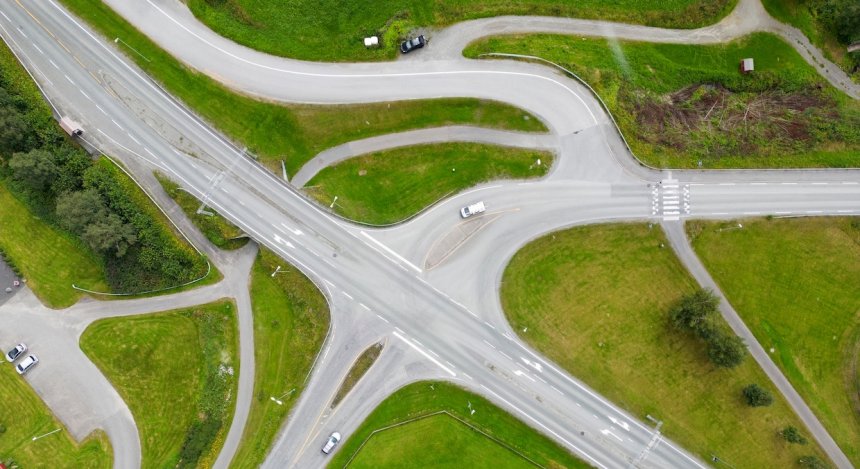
x=332 y=441
x=25 y=364
x=16 y=352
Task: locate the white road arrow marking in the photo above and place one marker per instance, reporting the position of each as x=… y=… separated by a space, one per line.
x=532 y=364
x=607 y=432
x=620 y=423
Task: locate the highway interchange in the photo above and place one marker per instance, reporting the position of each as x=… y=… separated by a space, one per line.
x=426 y=289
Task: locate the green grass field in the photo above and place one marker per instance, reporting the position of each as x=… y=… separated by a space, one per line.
x=441 y=441
x=334 y=31
x=604 y=292
x=290 y=323
x=782 y=115
x=24 y=416
x=799 y=14
x=173 y=369
x=216 y=228
x=795 y=284
x=49 y=259
x=294 y=133
x=389 y=186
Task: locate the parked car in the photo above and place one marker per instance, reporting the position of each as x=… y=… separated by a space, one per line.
x=470 y=210
x=332 y=441
x=26 y=364
x=16 y=352
x=411 y=44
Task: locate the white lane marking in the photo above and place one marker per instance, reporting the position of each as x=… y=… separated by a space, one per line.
x=752 y=213
x=814 y=211
x=399 y=330
x=464 y=374
x=532 y=364
x=365 y=307
x=620 y=423
x=819 y=183
x=347 y=295
x=580 y=451
x=541 y=379
x=721 y=213
x=329 y=283
x=606 y=431
x=69 y=80
x=556 y=389
x=433 y=353
x=727 y=184
x=86 y=95
x=850 y=183
x=390 y=251
x=241 y=203
x=23 y=33
x=758 y=184
x=491 y=345
x=506 y=355
x=280 y=240
x=578 y=404
x=782 y=213
x=52 y=63
x=117 y=125
x=426 y=355
x=135 y=140
x=450 y=364
x=418 y=342
x=224 y=189
x=386 y=320
x=789 y=183
x=100 y=109
x=490 y=325
x=292 y=230
x=4 y=16
x=523 y=373
x=38 y=49
x=845 y=211
x=151 y=153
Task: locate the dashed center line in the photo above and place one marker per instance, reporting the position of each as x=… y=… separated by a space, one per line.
x=380 y=317
x=491 y=345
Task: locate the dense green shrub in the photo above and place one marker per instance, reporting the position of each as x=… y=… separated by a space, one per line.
x=757 y=396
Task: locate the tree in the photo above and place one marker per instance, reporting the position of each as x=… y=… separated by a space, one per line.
x=110 y=234
x=13 y=130
x=693 y=312
x=77 y=210
x=36 y=169
x=812 y=462
x=757 y=396
x=792 y=435
x=726 y=350
x=842 y=17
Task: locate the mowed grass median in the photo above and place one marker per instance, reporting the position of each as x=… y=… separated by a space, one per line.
x=678 y=105
x=389 y=186
x=437 y=429
x=595 y=300
x=291 y=319
x=334 y=31
x=176 y=371
x=291 y=132
x=24 y=416
x=796 y=284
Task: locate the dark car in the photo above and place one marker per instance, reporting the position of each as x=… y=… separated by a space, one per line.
x=16 y=352
x=411 y=44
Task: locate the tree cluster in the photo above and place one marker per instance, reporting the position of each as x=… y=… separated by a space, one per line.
x=695 y=313
x=757 y=396
x=842 y=17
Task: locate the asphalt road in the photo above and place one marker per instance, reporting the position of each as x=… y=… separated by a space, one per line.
x=442 y=323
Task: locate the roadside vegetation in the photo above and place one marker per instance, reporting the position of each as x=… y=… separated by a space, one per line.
x=217 y=229
x=291 y=132
x=24 y=416
x=291 y=319
x=176 y=371
x=605 y=292
x=794 y=282
x=679 y=105
x=89 y=206
x=391 y=185
x=359 y=368
x=831 y=25
x=334 y=31
x=437 y=429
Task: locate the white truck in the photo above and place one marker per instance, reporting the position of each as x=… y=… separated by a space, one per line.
x=71 y=127
x=470 y=210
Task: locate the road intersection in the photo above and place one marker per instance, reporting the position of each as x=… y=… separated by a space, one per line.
x=441 y=323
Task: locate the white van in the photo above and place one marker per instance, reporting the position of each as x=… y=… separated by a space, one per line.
x=470 y=210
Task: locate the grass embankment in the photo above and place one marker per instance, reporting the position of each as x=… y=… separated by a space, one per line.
x=40 y=168
x=50 y=260
x=681 y=104
x=290 y=323
x=359 y=368
x=803 y=15
x=217 y=229
x=269 y=25
x=795 y=283
x=443 y=441
x=604 y=292
x=24 y=416
x=388 y=186
x=294 y=133
x=176 y=371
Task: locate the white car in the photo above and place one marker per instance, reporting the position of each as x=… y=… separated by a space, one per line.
x=26 y=364
x=470 y=210
x=16 y=352
x=332 y=441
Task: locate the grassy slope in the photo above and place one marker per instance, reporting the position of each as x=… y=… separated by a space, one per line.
x=25 y=416
x=359 y=368
x=795 y=283
x=50 y=260
x=624 y=72
x=795 y=13
x=334 y=30
x=424 y=398
x=294 y=133
x=216 y=228
x=604 y=292
x=290 y=323
x=157 y=364
x=400 y=182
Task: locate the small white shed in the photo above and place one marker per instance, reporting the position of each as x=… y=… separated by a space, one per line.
x=747 y=65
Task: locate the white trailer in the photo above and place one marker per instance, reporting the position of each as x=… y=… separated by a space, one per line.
x=71 y=127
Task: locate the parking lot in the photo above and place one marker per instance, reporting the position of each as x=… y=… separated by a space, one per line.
x=7 y=282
